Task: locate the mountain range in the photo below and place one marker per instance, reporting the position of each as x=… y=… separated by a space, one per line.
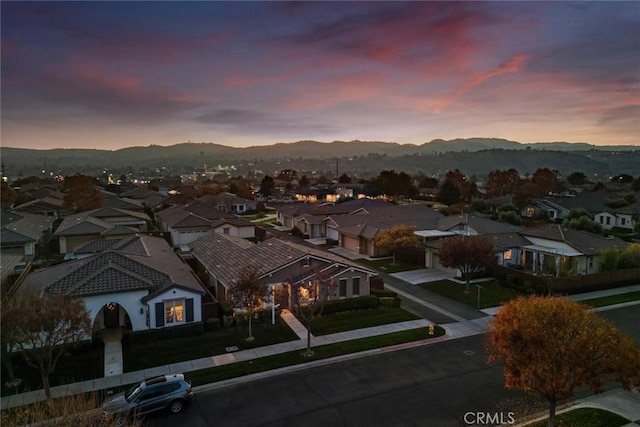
x=471 y=155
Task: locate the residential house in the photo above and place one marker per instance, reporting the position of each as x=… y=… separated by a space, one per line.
x=555 y=249
x=103 y=223
x=229 y=202
x=136 y=283
x=50 y=205
x=597 y=203
x=282 y=264
x=22 y=231
x=189 y=222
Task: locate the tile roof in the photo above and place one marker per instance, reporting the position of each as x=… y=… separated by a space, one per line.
x=30 y=226
x=191 y=215
x=227 y=256
x=132 y=263
x=480 y=224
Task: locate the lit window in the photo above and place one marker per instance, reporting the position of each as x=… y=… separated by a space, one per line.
x=507 y=254
x=174 y=311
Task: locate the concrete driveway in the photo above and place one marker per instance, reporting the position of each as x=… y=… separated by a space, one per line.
x=422 y=276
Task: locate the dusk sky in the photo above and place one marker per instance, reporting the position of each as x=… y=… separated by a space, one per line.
x=115 y=74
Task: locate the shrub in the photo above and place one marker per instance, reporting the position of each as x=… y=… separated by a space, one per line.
x=389 y=302
x=381 y=293
x=143 y=337
x=212 y=324
x=335 y=306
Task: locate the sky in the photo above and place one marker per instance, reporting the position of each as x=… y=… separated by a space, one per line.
x=110 y=75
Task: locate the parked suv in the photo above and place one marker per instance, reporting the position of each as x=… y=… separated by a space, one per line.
x=163 y=392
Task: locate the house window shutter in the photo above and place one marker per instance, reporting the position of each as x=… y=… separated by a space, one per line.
x=189 y=309
x=159 y=314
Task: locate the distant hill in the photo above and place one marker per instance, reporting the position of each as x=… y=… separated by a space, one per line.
x=490 y=153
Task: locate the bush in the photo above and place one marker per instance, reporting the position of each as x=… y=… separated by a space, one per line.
x=389 y=302
x=368 y=301
x=144 y=337
x=296 y=232
x=213 y=324
x=381 y=293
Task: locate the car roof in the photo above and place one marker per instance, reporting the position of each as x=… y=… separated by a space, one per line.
x=161 y=379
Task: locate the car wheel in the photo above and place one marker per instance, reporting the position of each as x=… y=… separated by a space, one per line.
x=176 y=406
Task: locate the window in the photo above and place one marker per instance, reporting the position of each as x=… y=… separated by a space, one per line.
x=623 y=221
x=356 y=286
x=601 y=219
x=343 y=288
x=608 y=220
x=507 y=254
x=226 y=230
x=174 y=311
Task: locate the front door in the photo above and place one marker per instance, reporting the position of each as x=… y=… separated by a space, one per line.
x=111 y=315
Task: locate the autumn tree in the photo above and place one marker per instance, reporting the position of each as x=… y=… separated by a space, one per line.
x=397 y=237
x=449 y=194
x=249 y=292
x=501 y=182
x=552 y=346
x=395 y=184
x=40 y=328
x=468 y=254
x=545 y=181
x=309 y=298
x=81 y=194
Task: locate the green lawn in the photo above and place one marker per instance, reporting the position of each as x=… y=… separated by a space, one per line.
x=357 y=319
x=613 y=299
x=205 y=376
x=586 y=417
x=386 y=265
x=491 y=294
x=173 y=350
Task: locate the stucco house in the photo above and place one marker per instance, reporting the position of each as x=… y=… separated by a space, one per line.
x=229 y=202
x=282 y=264
x=136 y=283
x=189 y=222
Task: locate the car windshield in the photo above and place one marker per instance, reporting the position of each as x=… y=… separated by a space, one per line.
x=133 y=393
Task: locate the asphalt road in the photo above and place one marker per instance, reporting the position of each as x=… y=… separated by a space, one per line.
x=443 y=384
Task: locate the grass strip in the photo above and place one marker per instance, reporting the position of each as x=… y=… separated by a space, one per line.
x=358 y=319
x=586 y=417
x=491 y=293
x=292 y=358
x=387 y=266
x=612 y=299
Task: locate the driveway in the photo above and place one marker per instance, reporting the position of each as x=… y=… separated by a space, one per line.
x=422 y=276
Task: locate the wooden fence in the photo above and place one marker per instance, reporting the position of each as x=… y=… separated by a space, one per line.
x=572 y=284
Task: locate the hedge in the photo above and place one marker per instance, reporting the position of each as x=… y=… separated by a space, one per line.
x=381 y=293
x=335 y=306
x=143 y=337
x=389 y=302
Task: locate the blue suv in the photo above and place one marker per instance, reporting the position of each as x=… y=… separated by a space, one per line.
x=171 y=392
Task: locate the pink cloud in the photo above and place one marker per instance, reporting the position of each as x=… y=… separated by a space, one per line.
x=512 y=65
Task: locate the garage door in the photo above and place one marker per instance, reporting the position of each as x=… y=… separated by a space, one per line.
x=350 y=243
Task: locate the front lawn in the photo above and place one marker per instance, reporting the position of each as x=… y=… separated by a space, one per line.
x=491 y=293
x=358 y=319
x=173 y=350
x=613 y=299
x=386 y=265
x=82 y=363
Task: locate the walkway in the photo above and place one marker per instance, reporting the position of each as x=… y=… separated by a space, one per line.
x=112 y=351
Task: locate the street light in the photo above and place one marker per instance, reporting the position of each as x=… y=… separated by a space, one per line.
x=479 y=287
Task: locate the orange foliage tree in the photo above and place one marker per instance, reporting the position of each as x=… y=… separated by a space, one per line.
x=552 y=346
x=397 y=237
x=81 y=194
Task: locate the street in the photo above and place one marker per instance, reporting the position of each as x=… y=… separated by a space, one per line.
x=444 y=384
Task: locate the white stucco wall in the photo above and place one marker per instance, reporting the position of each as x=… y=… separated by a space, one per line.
x=129 y=301
x=181 y=238
x=242 y=232
x=171 y=294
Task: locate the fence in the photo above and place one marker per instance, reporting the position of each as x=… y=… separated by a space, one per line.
x=572 y=284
